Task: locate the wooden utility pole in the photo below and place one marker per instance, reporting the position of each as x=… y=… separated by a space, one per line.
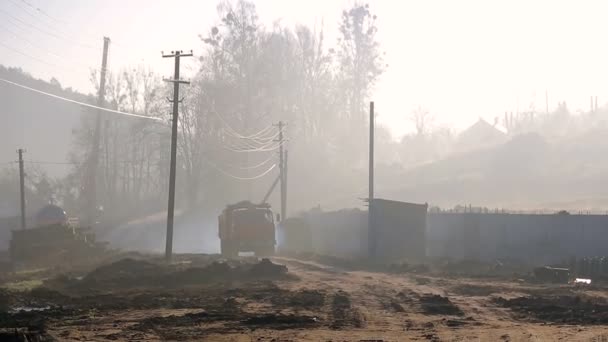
x=595 y=104
x=171 y=205
x=282 y=172
x=22 y=186
x=91 y=188
x=370 y=223
x=285 y=168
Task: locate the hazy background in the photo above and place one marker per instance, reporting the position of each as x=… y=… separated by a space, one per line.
x=461 y=60
x=485 y=104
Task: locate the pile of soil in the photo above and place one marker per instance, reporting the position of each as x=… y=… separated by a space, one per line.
x=474 y=290
x=23 y=335
x=131 y=273
x=559 y=309
x=265 y=268
x=405 y=267
x=343 y=313
x=439 y=305
x=303 y=299
x=124 y=268
x=5 y=300
x=280 y=321
x=479 y=269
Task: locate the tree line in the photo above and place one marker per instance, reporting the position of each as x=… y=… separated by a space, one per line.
x=249 y=76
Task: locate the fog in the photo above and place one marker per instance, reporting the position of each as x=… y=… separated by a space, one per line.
x=533 y=143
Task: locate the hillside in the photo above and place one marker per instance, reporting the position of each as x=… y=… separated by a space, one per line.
x=527 y=172
x=40 y=124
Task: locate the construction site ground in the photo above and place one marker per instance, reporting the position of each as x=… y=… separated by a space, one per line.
x=202 y=297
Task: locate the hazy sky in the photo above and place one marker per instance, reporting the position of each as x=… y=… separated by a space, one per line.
x=460 y=59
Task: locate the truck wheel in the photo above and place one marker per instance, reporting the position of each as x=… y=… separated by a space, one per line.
x=228 y=249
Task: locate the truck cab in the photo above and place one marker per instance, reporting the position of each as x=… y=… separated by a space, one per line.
x=247 y=227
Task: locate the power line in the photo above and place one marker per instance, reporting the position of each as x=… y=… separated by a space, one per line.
x=245 y=145
x=33 y=16
x=81 y=103
x=252 y=167
x=58 y=21
x=45 y=31
x=269 y=149
x=257 y=165
x=42 y=12
x=17 y=36
x=8 y=47
x=43 y=162
x=234 y=133
x=51 y=162
x=55 y=27
x=238 y=177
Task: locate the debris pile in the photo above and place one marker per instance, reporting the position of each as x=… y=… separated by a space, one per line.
x=552 y=274
x=343 y=314
x=132 y=273
x=559 y=309
x=439 y=305
x=594 y=268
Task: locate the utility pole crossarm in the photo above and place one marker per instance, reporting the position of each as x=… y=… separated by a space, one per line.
x=177 y=53
x=175 y=81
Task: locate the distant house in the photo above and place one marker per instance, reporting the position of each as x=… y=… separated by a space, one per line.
x=480 y=135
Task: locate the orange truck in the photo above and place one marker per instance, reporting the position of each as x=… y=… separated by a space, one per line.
x=247 y=227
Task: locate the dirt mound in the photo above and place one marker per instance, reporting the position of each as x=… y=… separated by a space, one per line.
x=559 y=309
x=123 y=272
x=405 y=267
x=393 y=305
x=439 y=305
x=479 y=269
x=131 y=273
x=222 y=316
x=265 y=268
x=23 y=335
x=304 y=299
x=474 y=290
x=343 y=314
x=280 y=321
x=5 y=300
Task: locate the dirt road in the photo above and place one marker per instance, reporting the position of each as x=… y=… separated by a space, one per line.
x=402 y=307
x=312 y=301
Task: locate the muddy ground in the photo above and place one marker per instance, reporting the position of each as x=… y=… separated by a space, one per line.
x=203 y=297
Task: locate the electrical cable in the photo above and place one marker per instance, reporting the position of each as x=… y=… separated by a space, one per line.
x=43 y=12
x=233 y=132
x=273 y=148
x=8 y=47
x=241 y=178
x=50 y=162
x=253 y=145
x=45 y=31
x=17 y=36
x=81 y=103
x=63 y=22
x=35 y=17
x=271 y=157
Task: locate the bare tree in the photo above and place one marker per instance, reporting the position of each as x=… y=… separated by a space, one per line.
x=422 y=120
